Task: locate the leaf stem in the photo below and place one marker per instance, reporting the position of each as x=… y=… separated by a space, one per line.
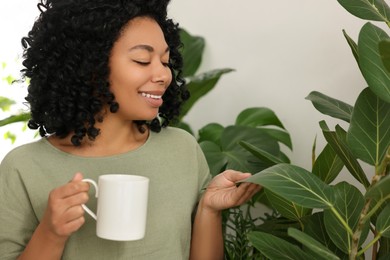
x=340 y=218
x=377 y=237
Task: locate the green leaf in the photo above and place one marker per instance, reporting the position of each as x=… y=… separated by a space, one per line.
x=383 y=222
x=211 y=132
x=330 y=106
x=384 y=248
x=276 y=248
x=216 y=160
x=262 y=154
x=280 y=136
x=261 y=116
x=10 y=136
x=286 y=208
x=348 y=202
x=374 y=72
x=352 y=44
x=319 y=250
x=295 y=184
x=258 y=116
x=6 y=103
x=380 y=190
x=193 y=47
x=15 y=118
x=315 y=227
x=384 y=51
x=369 y=132
x=375 y=10
x=327 y=165
x=338 y=143
x=234 y=155
x=10 y=79
x=200 y=85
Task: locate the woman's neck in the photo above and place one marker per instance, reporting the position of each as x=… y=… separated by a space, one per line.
x=114 y=138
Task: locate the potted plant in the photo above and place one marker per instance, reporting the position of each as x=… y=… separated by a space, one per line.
x=332 y=220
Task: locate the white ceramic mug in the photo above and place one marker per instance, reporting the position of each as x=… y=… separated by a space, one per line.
x=121 y=206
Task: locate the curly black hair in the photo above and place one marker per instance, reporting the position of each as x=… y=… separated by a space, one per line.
x=66 y=57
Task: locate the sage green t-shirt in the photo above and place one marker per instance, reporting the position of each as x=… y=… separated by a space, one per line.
x=173 y=161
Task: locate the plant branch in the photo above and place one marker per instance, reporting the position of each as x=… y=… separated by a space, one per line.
x=380 y=170
x=375 y=208
x=377 y=237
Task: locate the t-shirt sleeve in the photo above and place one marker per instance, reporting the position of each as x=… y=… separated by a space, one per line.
x=204 y=172
x=17 y=218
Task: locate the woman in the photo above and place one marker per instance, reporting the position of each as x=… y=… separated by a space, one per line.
x=105 y=83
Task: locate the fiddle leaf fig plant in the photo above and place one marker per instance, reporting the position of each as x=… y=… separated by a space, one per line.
x=338 y=217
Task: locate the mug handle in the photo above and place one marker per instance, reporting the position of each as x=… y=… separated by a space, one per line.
x=90 y=212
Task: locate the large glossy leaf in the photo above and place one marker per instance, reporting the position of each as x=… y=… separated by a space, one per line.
x=371 y=65
x=261 y=116
x=383 y=222
x=285 y=207
x=330 y=106
x=258 y=116
x=216 y=160
x=384 y=51
x=384 y=248
x=348 y=202
x=375 y=10
x=262 y=154
x=230 y=152
x=328 y=165
x=211 y=132
x=352 y=44
x=315 y=227
x=193 y=47
x=200 y=85
x=380 y=190
x=316 y=249
x=280 y=136
x=295 y=184
x=276 y=248
x=22 y=117
x=369 y=132
x=338 y=143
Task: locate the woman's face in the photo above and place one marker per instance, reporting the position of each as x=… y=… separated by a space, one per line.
x=139 y=72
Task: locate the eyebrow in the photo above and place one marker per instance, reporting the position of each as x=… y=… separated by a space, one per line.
x=146 y=47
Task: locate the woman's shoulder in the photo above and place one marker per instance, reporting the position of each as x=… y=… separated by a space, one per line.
x=176 y=132
x=25 y=151
x=174 y=135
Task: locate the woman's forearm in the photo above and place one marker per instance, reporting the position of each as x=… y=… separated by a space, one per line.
x=207 y=238
x=43 y=246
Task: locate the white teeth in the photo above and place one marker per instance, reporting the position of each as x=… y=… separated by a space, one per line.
x=150 y=95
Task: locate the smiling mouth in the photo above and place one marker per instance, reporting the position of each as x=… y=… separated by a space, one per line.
x=153 y=100
x=151 y=96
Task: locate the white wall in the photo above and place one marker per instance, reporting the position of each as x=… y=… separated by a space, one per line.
x=281 y=51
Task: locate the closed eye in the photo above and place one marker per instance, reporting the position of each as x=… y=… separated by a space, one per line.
x=143 y=63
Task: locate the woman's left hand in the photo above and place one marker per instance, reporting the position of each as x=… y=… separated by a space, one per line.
x=223 y=193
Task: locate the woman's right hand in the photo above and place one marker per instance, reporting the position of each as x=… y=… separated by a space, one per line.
x=64 y=214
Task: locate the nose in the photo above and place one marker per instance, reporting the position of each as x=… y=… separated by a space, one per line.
x=161 y=74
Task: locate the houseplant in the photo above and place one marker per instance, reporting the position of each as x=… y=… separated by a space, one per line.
x=334 y=219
